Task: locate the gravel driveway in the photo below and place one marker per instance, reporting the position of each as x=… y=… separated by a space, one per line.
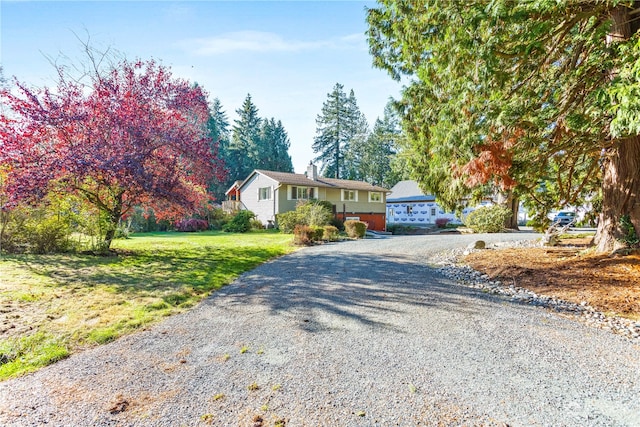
x=358 y=333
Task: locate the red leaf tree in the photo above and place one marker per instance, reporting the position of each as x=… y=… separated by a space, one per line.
x=129 y=135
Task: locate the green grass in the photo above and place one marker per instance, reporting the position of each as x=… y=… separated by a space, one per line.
x=54 y=305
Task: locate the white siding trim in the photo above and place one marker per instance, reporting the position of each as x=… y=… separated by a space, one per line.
x=343 y=199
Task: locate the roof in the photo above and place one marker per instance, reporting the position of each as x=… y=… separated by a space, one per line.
x=235 y=185
x=302 y=180
x=407 y=191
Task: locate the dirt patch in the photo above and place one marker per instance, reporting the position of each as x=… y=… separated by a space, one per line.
x=610 y=284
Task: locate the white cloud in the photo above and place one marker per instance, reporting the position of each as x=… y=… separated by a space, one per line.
x=178 y=12
x=258 y=41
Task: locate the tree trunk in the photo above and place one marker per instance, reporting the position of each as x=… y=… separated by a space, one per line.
x=4 y=220
x=114 y=219
x=621 y=165
x=620 y=195
x=511 y=202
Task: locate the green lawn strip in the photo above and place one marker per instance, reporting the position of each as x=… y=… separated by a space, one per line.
x=53 y=305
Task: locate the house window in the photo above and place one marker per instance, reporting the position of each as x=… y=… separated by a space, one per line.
x=302 y=193
x=409 y=210
x=433 y=211
x=264 y=193
x=349 y=195
x=392 y=212
x=375 y=196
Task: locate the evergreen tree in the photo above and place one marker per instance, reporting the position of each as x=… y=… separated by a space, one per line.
x=377 y=154
x=244 y=147
x=274 y=147
x=356 y=145
x=218 y=126
x=338 y=125
x=516 y=95
x=331 y=132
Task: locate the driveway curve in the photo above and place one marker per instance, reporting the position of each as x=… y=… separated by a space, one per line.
x=361 y=333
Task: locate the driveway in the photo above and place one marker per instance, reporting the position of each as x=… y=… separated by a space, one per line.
x=360 y=333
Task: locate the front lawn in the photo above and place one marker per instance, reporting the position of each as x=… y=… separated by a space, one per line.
x=53 y=305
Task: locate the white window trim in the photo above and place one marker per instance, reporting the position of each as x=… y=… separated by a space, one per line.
x=270 y=194
x=343 y=199
x=290 y=192
x=375 y=192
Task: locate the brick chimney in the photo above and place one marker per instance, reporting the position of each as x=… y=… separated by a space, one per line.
x=312 y=171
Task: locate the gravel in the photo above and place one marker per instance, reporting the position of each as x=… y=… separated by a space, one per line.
x=365 y=333
x=583 y=312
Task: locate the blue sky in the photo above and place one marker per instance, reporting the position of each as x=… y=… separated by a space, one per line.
x=287 y=54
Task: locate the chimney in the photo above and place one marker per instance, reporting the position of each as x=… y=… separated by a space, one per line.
x=312 y=171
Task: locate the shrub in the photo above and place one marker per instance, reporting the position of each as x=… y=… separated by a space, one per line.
x=318 y=233
x=47 y=236
x=489 y=219
x=287 y=221
x=337 y=223
x=39 y=229
x=123 y=231
x=313 y=213
x=217 y=218
x=303 y=235
x=192 y=224
x=394 y=228
x=330 y=233
x=442 y=222
x=355 y=229
x=241 y=222
x=256 y=224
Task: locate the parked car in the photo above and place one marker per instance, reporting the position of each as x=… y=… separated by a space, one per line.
x=565 y=218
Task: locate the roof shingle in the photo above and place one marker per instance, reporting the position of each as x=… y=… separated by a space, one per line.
x=302 y=180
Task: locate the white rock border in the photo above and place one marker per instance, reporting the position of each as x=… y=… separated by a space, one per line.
x=449 y=264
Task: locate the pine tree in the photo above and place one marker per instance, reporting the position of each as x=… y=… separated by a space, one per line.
x=358 y=131
x=244 y=147
x=378 y=151
x=274 y=147
x=330 y=132
x=218 y=126
x=338 y=125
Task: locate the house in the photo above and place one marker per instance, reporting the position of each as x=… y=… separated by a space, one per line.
x=268 y=193
x=408 y=205
x=232 y=204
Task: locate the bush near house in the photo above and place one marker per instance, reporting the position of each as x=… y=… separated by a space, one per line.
x=337 y=223
x=303 y=235
x=256 y=224
x=216 y=217
x=287 y=221
x=355 y=229
x=330 y=233
x=488 y=219
x=241 y=222
x=313 y=213
x=307 y=235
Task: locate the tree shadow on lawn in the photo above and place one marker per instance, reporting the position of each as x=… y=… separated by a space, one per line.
x=373 y=290
x=148 y=273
